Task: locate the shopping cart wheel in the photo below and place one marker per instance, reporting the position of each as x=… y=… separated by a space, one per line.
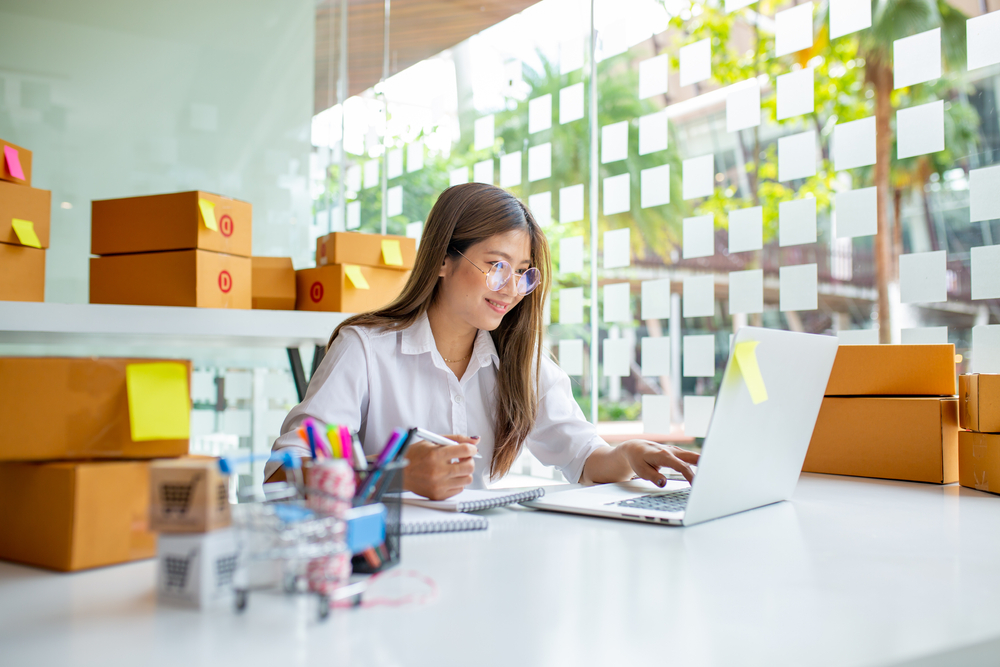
x=324 y=606
x=241 y=599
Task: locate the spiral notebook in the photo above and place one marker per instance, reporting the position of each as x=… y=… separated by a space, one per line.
x=418 y=520
x=472 y=500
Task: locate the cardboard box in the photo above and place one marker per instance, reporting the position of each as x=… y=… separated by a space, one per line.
x=67 y=408
x=913 y=438
x=328 y=288
x=23 y=157
x=197 y=569
x=893 y=370
x=196 y=278
x=75 y=515
x=363 y=249
x=22 y=273
x=188 y=496
x=273 y=284
x=23 y=203
x=980 y=403
x=979 y=461
x=169 y=222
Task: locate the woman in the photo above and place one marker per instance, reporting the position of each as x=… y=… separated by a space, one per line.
x=459 y=352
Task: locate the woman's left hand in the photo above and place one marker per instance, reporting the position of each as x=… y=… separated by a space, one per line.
x=646 y=458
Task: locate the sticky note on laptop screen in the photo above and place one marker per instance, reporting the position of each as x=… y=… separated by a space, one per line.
x=391 y=253
x=207 y=209
x=159 y=404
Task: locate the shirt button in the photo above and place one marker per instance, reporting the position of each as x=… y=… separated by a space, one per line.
x=458 y=398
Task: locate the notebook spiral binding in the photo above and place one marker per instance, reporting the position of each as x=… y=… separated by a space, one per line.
x=471 y=523
x=501 y=501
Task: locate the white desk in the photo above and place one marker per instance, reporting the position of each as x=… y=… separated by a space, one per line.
x=853 y=572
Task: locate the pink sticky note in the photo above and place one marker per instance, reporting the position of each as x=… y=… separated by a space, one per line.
x=13 y=162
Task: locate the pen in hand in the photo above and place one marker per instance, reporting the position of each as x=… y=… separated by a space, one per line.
x=438 y=440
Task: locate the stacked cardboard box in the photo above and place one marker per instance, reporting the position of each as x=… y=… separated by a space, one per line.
x=74 y=479
x=355 y=272
x=889 y=412
x=184 y=249
x=979 y=445
x=273 y=283
x=24 y=227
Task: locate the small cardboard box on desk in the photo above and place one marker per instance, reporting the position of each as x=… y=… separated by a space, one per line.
x=24 y=236
x=979 y=446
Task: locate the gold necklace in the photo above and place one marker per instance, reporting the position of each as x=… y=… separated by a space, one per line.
x=455 y=361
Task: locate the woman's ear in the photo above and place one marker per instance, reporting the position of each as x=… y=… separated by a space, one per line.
x=444 y=267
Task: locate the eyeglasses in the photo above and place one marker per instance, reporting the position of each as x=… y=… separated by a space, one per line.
x=501 y=272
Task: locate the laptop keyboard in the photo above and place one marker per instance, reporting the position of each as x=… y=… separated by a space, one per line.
x=671 y=501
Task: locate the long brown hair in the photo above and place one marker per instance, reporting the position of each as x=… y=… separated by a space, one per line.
x=463 y=216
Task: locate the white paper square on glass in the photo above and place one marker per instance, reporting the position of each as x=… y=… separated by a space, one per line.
x=353 y=215
x=796 y=93
x=654 y=186
x=656 y=414
x=742 y=105
x=797 y=287
x=616 y=194
x=353 y=180
x=733 y=5
x=698 y=415
x=924 y=336
x=571 y=52
x=847 y=16
x=617 y=249
x=394 y=163
x=797 y=156
x=856 y=213
x=571 y=203
x=414 y=230
x=571 y=356
x=653 y=76
x=986 y=272
x=571 y=103
x=986 y=348
x=916 y=59
x=923 y=277
x=616 y=361
x=982 y=45
x=699 y=236
x=614 y=142
x=571 y=305
x=746 y=229
x=394 y=201
x=458 y=176
x=372 y=174
x=539 y=162
x=571 y=254
x=539 y=114
x=984 y=193
x=616 y=307
x=653 y=135
x=793 y=29
x=699 y=296
x=540 y=204
x=854 y=144
x=746 y=291
x=699 y=356
x=696 y=62
x=415 y=157
x=699 y=177
x=484 y=133
x=655 y=356
x=655 y=299
x=797 y=221
x=920 y=130
x=482 y=172
x=510 y=169
x=858 y=337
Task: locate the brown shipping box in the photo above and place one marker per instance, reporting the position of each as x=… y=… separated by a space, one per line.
x=75 y=515
x=273 y=283
x=893 y=370
x=979 y=397
x=913 y=438
x=328 y=288
x=23 y=156
x=182 y=278
x=363 y=249
x=188 y=496
x=72 y=408
x=31 y=204
x=979 y=461
x=169 y=222
x=22 y=273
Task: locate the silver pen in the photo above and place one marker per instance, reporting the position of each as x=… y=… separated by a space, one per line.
x=439 y=440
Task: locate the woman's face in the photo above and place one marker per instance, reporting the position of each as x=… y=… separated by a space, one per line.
x=463 y=292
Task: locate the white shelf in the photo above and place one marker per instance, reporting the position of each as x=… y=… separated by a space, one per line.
x=72 y=324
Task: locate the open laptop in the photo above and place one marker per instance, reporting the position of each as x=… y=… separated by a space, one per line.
x=752 y=454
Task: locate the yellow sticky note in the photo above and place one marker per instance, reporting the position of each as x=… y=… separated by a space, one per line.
x=355 y=276
x=25 y=230
x=391 y=254
x=208 y=214
x=159 y=403
x=746 y=361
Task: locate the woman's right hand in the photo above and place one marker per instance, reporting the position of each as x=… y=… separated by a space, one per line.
x=437 y=472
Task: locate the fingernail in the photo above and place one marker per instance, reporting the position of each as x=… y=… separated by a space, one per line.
x=475 y=437
x=661 y=482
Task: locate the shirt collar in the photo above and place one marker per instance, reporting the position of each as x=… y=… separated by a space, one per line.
x=418 y=339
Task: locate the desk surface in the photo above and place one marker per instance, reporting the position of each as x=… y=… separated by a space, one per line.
x=851 y=572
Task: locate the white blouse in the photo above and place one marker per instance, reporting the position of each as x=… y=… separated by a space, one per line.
x=374 y=381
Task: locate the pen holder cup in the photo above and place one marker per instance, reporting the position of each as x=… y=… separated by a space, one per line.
x=388 y=490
